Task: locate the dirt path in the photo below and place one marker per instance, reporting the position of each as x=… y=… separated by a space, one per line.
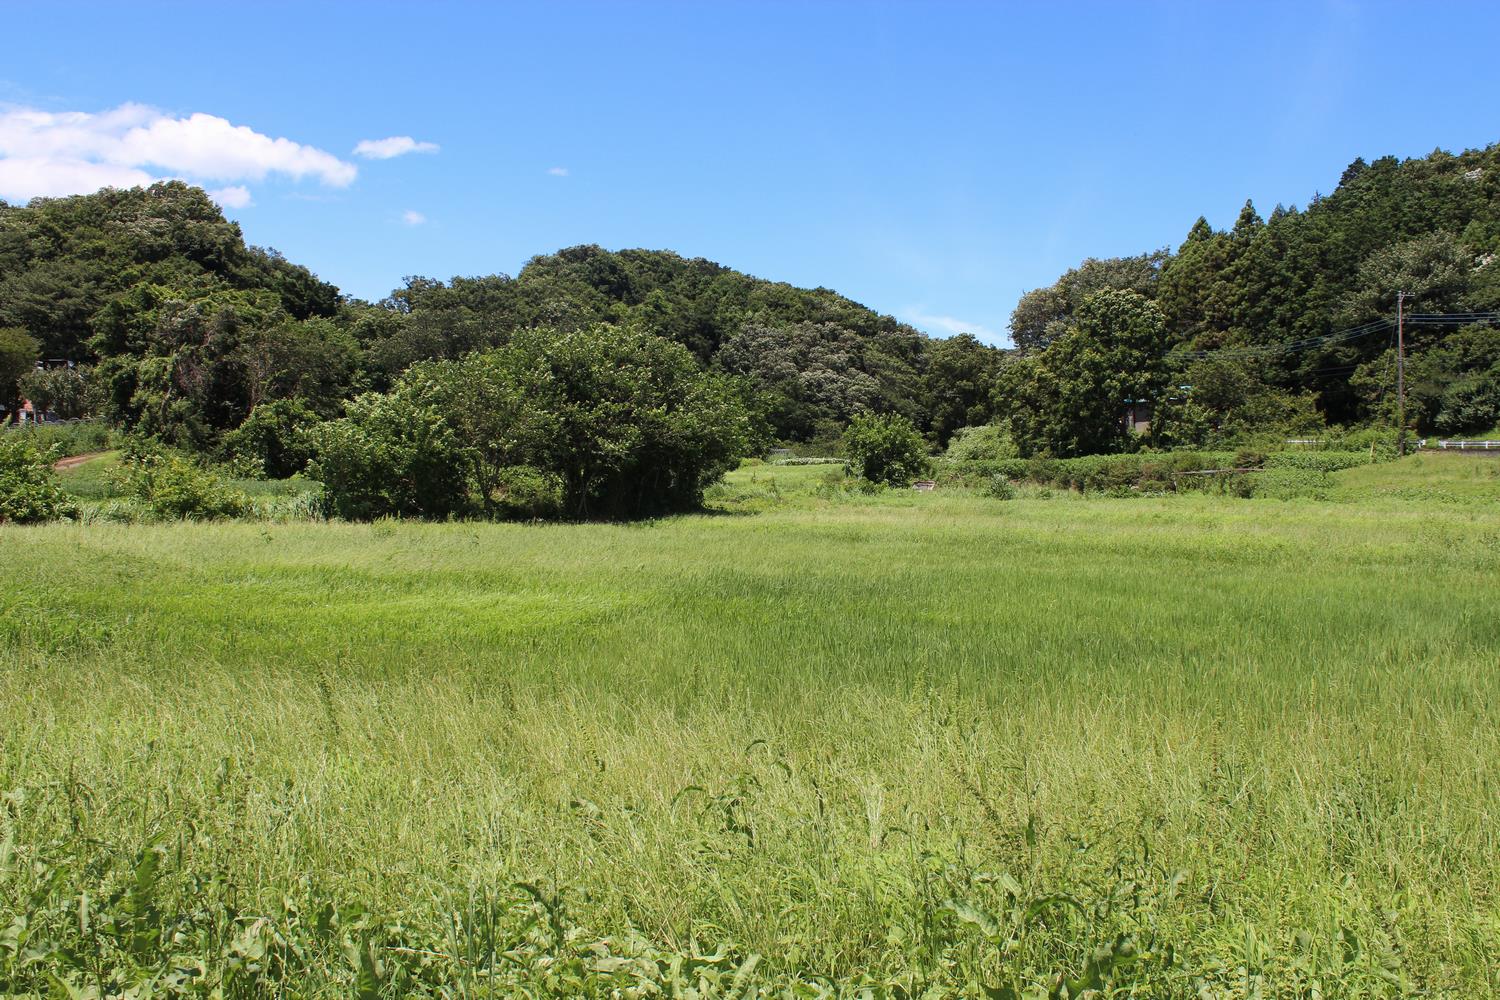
x=74 y=461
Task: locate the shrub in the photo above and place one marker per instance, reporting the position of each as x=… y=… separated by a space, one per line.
x=601 y=422
x=72 y=438
x=1000 y=488
x=985 y=443
x=886 y=449
x=811 y=461
x=29 y=491
x=170 y=486
x=62 y=391
x=1377 y=443
x=390 y=456
x=273 y=439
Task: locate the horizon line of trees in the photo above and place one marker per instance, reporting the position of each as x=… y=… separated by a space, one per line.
x=180 y=331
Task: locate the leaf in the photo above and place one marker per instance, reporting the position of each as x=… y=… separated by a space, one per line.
x=1036 y=906
x=970 y=914
x=366 y=969
x=741 y=985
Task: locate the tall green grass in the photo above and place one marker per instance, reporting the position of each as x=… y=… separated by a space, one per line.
x=924 y=744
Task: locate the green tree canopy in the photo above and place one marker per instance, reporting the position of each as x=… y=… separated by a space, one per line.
x=1069 y=398
x=625 y=423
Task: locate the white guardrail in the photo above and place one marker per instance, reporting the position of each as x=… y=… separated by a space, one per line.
x=1460 y=445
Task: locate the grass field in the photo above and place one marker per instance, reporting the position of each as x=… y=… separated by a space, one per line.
x=812 y=742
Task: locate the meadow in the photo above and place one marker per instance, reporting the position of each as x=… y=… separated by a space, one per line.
x=812 y=742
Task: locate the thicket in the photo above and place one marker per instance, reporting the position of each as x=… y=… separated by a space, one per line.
x=602 y=422
x=886 y=449
x=1150 y=471
x=169 y=486
x=29 y=491
x=75 y=437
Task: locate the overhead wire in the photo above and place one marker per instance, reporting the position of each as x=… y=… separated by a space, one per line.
x=1338 y=336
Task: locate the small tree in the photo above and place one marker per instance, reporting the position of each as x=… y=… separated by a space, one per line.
x=63 y=391
x=886 y=448
x=1066 y=399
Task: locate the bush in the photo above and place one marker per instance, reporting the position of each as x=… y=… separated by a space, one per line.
x=29 y=491
x=273 y=440
x=1379 y=442
x=989 y=442
x=601 y=422
x=72 y=438
x=886 y=449
x=1000 y=488
x=526 y=493
x=170 y=486
x=62 y=391
x=390 y=456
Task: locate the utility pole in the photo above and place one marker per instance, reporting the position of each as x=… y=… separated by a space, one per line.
x=1400 y=374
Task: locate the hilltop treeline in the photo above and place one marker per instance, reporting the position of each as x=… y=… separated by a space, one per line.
x=189 y=330
x=182 y=332
x=1199 y=332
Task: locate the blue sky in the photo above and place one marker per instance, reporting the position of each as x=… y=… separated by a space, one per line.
x=932 y=160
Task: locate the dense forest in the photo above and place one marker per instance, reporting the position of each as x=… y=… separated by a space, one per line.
x=188 y=330
x=1279 y=324
x=180 y=331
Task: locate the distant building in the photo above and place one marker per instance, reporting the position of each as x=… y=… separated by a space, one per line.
x=1137 y=416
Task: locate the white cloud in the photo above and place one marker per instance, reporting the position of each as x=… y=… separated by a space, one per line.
x=396 y=145
x=47 y=153
x=558 y=171
x=26 y=177
x=412 y=218
x=950 y=326
x=234 y=196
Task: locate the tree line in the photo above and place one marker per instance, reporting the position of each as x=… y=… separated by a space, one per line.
x=163 y=322
x=1200 y=333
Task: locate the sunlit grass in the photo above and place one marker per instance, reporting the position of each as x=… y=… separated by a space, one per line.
x=833 y=733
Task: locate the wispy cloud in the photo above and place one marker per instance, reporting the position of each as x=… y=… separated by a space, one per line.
x=413 y=218
x=558 y=171
x=948 y=326
x=396 y=145
x=48 y=154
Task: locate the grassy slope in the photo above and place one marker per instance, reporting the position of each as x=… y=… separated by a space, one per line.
x=94 y=480
x=1436 y=477
x=1276 y=720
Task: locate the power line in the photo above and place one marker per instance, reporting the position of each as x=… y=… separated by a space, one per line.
x=1340 y=336
x=1452 y=319
x=1290 y=346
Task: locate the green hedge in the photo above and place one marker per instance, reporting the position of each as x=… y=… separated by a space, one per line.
x=1318 y=461
x=1149 y=472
